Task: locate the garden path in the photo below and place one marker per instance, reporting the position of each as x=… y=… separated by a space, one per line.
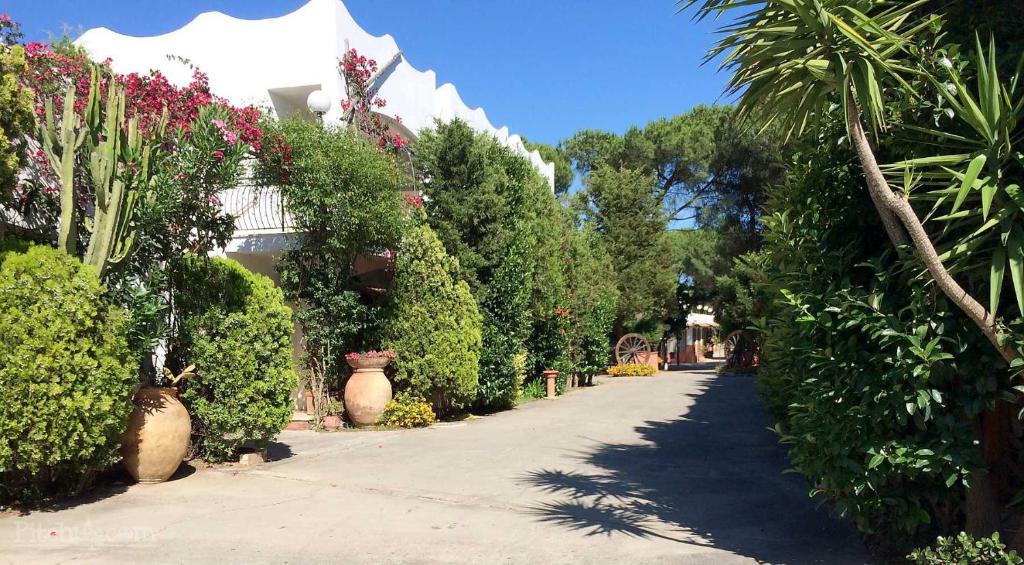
x=678 y=468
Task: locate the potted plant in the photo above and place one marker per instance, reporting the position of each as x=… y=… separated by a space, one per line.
x=368 y=390
x=332 y=417
x=158 y=431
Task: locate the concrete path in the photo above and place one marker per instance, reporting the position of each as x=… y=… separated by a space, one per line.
x=677 y=468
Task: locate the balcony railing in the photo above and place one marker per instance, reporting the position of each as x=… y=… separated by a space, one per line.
x=257 y=210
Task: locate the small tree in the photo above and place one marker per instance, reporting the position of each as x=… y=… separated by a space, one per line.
x=433 y=324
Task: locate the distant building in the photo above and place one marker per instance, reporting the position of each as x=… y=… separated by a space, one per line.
x=696 y=340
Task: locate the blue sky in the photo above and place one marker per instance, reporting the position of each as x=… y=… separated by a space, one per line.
x=545 y=68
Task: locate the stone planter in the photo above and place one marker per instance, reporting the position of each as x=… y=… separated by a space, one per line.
x=551 y=378
x=368 y=391
x=157 y=436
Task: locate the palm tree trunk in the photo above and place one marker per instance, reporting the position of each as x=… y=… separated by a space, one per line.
x=897 y=214
x=894 y=207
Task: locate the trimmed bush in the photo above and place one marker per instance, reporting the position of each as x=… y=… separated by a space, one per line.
x=407 y=410
x=433 y=324
x=66 y=373
x=966 y=549
x=631 y=370
x=237 y=330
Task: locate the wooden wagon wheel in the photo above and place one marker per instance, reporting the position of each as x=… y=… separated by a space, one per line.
x=732 y=340
x=629 y=348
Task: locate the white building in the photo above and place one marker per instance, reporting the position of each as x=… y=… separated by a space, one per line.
x=276 y=63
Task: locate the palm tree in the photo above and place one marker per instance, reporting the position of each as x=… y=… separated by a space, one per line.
x=794 y=62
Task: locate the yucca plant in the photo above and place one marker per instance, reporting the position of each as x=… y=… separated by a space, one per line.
x=974 y=182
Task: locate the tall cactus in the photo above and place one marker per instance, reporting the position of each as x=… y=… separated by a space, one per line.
x=121 y=166
x=60 y=145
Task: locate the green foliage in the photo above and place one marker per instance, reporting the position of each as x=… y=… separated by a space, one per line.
x=847 y=47
x=66 y=373
x=433 y=324
x=564 y=174
x=482 y=198
x=498 y=217
x=966 y=550
x=740 y=296
x=874 y=381
x=237 y=331
x=629 y=217
x=506 y=327
x=15 y=116
x=973 y=183
x=533 y=389
x=406 y=410
x=592 y=303
x=179 y=214
x=343 y=196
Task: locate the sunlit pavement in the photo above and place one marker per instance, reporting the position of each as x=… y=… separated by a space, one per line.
x=677 y=468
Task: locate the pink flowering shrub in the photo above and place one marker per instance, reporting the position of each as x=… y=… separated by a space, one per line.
x=357 y=70
x=51 y=69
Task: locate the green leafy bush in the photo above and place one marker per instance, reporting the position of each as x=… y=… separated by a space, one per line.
x=433 y=324
x=407 y=410
x=874 y=379
x=506 y=326
x=66 y=373
x=966 y=550
x=237 y=331
x=15 y=112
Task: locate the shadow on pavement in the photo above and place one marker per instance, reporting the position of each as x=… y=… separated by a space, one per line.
x=714 y=472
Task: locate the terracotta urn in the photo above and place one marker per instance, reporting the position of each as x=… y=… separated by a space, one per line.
x=368 y=391
x=157 y=436
x=551 y=377
x=332 y=422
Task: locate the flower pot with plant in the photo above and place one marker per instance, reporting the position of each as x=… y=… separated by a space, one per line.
x=368 y=389
x=159 y=429
x=332 y=417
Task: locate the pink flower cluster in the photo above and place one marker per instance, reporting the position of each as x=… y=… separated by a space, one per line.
x=363 y=101
x=51 y=71
x=229 y=136
x=385 y=354
x=414 y=200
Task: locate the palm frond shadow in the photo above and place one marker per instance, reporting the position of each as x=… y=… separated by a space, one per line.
x=712 y=477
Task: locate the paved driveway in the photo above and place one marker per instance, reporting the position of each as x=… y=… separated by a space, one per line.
x=677 y=468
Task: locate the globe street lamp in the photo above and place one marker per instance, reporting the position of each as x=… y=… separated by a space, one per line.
x=319 y=103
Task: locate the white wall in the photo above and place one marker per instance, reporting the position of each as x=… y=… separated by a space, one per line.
x=245 y=59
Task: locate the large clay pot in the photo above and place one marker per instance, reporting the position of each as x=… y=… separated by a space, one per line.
x=368 y=391
x=157 y=436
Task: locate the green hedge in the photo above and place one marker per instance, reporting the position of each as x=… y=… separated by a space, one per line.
x=237 y=330
x=66 y=374
x=433 y=324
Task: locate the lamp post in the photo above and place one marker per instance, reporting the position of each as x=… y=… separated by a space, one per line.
x=318 y=103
